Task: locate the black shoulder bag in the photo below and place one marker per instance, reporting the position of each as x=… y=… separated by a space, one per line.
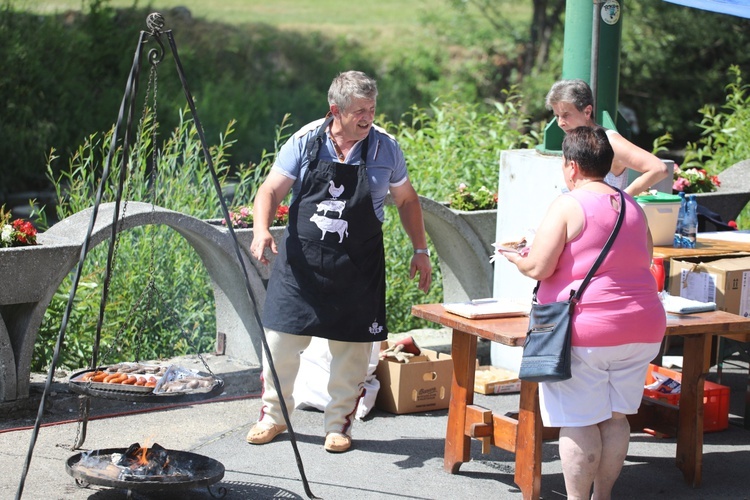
x=546 y=351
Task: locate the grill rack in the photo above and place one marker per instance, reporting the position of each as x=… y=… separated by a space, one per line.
x=139 y=394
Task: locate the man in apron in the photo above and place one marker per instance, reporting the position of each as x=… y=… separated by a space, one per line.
x=328 y=280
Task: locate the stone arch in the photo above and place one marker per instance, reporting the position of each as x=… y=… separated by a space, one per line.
x=235 y=313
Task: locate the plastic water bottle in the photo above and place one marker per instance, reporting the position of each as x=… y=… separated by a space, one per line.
x=680 y=221
x=690 y=226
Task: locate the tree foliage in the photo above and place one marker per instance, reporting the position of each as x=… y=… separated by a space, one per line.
x=673 y=59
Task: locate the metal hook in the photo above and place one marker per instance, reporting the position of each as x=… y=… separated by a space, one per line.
x=155 y=24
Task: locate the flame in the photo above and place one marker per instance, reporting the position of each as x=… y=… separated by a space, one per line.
x=142 y=460
x=143 y=451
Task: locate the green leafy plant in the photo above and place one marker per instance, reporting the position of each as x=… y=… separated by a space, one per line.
x=453 y=139
x=725 y=136
x=441 y=144
x=449 y=140
x=467 y=199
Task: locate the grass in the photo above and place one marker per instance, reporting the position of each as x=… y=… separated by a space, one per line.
x=390 y=24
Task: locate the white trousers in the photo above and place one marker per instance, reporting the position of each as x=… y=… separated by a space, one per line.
x=349 y=365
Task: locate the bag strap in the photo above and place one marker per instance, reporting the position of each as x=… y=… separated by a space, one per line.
x=575 y=296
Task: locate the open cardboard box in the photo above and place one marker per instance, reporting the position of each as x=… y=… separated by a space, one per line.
x=494 y=380
x=722 y=279
x=422 y=384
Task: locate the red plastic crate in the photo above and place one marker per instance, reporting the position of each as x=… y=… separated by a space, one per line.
x=715 y=399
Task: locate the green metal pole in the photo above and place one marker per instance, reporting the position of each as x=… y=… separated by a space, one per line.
x=577 y=40
x=610 y=36
x=577 y=58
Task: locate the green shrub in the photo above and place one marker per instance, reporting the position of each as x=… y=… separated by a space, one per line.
x=725 y=135
x=454 y=141
x=450 y=141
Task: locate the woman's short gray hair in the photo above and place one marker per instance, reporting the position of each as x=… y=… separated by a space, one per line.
x=577 y=92
x=351 y=85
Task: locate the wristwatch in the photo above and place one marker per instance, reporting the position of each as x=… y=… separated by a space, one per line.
x=425 y=251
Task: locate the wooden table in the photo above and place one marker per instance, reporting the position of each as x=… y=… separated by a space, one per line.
x=709 y=246
x=704 y=247
x=523 y=435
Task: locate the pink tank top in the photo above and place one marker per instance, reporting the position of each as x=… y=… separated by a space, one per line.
x=620 y=305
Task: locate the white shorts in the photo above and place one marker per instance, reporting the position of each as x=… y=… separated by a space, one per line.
x=605 y=380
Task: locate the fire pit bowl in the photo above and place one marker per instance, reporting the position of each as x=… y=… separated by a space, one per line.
x=99 y=467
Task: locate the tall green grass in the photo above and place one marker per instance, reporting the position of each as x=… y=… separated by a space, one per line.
x=175 y=316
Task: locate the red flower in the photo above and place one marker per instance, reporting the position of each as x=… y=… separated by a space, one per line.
x=282 y=215
x=19 y=233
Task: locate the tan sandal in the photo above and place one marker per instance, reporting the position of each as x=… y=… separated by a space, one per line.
x=337 y=443
x=264 y=433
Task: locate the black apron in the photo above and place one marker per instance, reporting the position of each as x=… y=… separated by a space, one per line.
x=328 y=279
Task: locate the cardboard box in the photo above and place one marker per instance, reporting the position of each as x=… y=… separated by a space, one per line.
x=422 y=384
x=720 y=279
x=493 y=380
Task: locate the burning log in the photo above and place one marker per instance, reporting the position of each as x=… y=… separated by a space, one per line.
x=141 y=461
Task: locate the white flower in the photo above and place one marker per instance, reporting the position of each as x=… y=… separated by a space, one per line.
x=6 y=235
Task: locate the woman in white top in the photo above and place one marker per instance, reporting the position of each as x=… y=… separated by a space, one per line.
x=573 y=104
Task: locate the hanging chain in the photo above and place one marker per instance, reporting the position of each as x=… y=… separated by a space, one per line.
x=132 y=165
x=145 y=301
x=156 y=23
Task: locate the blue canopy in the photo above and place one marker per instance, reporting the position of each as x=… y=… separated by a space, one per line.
x=739 y=8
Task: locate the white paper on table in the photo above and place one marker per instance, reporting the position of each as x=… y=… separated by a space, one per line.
x=682 y=305
x=488 y=308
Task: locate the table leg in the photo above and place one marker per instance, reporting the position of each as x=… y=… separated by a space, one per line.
x=690 y=428
x=457 y=443
x=528 y=475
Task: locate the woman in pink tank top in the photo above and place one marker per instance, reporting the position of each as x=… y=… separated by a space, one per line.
x=618 y=325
